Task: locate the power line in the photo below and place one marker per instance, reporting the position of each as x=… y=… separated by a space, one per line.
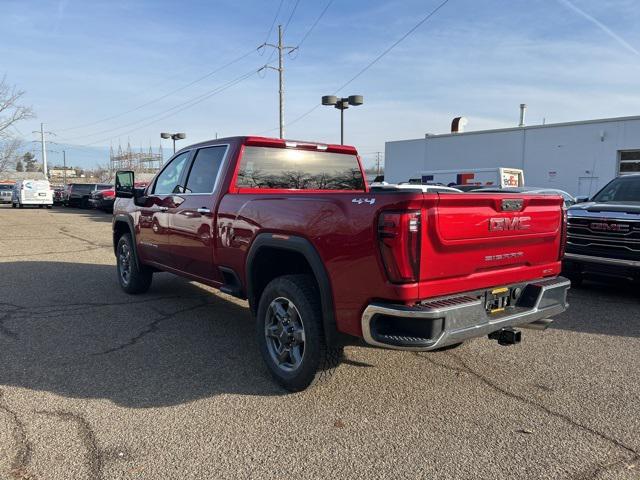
x=195 y=99
x=228 y=64
x=177 y=109
x=293 y=11
x=372 y=63
x=313 y=26
x=273 y=24
x=150 y=102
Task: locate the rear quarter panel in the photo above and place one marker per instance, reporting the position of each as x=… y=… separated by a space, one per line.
x=342 y=231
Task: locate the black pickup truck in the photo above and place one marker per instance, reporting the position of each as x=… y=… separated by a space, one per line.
x=603 y=233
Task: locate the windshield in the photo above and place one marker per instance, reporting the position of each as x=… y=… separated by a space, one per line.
x=620 y=190
x=6 y=187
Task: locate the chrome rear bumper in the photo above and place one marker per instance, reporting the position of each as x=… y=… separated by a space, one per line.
x=449 y=320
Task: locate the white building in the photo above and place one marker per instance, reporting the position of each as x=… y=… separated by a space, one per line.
x=579 y=157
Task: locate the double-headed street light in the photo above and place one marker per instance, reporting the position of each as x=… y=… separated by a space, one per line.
x=174 y=137
x=342 y=104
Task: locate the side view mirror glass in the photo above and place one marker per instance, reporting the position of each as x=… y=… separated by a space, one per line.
x=124 y=184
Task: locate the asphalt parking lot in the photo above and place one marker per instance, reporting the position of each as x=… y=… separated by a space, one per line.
x=95 y=384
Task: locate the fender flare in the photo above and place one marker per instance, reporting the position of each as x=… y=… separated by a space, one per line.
x=121 y=218
x=308 y=251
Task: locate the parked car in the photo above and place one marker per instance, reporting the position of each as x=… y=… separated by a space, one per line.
x=58 y=196
x=32 y=192
x=567 y=197
x=6 y=192
x=103 y=199
x=78 y=194
x=412 y=186
x=323 y=259
x=604 y=233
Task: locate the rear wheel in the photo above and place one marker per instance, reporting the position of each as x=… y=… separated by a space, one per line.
x=49 y=206
x=133 y=278
x=290 y=333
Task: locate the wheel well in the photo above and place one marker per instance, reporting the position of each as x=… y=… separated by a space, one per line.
x=119 y=229
x=272 y=262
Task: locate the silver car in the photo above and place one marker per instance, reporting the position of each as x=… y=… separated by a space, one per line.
x=6 y=192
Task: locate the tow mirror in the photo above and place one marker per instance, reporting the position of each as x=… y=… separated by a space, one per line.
x=124 y=184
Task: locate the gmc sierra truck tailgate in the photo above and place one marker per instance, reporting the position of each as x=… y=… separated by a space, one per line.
x=487 y=239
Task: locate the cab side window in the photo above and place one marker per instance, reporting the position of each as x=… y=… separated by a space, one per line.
x=205 y=168
x=169 y=180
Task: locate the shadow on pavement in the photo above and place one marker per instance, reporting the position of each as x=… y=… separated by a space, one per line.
x=88 y=213
x=79 y=336
x=611 y=308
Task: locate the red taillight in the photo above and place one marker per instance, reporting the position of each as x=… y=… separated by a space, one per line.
x=563 y=233
x=399 y=239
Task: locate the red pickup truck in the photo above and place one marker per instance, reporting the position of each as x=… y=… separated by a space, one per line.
x=324 y=259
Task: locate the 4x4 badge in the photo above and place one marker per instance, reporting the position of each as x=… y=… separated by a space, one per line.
x=360 y=201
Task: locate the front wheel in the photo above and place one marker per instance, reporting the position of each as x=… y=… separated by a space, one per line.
x=133 y=279
x=290 y=333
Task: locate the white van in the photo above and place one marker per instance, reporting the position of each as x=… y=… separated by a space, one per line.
x=32 y=192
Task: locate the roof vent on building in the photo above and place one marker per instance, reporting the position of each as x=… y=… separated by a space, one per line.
x=523 y=111
x=458 y=124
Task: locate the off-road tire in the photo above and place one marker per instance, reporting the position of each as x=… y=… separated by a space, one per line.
x=138 y=277
x=318 y=360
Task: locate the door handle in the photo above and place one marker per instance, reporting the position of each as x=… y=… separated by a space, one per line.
x=204 y=211
x=163 y=209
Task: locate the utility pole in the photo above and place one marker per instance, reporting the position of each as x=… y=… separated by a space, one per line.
x=64 y=166
x=378 y=162
x=44 y=147
x=281 y=48
x=44 y=150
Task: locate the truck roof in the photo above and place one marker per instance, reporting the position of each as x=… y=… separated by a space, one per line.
x=273 y=142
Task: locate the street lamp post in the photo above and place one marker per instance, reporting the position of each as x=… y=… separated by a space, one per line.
x=174 y=137
x=342 y=104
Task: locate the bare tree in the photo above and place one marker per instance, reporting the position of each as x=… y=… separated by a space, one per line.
x=11 y=112
x=103 y=173
x=9 y=153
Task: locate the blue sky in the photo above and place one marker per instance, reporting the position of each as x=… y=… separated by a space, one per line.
x=81 y=62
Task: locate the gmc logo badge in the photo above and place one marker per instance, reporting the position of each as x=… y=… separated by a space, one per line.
x=609 y=227
x=498 y=224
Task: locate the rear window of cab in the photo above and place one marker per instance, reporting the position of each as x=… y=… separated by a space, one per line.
x=295 y=169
